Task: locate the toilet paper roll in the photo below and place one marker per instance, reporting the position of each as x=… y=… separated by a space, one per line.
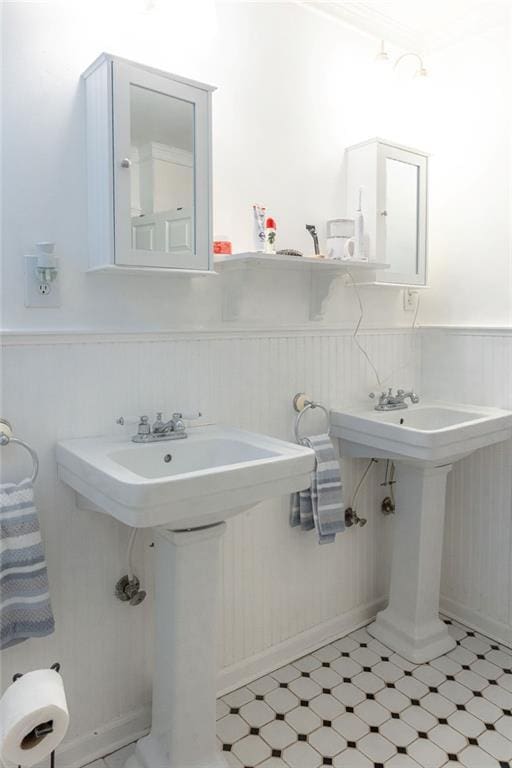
x=34 y=718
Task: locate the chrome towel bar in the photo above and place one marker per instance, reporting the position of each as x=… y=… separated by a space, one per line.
x=301 y=404
x=6 y=438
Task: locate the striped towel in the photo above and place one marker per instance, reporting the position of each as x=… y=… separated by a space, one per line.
x=321 y=505
x=25 y=609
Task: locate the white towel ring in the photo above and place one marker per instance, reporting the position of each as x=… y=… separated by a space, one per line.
x=6 y=438
x=301 y=404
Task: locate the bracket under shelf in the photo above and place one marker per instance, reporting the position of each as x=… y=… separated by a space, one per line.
x=323 y=273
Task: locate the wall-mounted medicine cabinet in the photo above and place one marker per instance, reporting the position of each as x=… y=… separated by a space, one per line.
x=394 y=181
x=149 y=169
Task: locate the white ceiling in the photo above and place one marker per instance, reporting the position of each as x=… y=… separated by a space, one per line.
x=423 y=25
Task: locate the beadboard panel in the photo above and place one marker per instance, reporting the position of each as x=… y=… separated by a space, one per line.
x=277 y=585
x=475 y=366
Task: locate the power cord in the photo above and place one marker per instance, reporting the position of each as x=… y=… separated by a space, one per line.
x=366 y=355
x=356 y=331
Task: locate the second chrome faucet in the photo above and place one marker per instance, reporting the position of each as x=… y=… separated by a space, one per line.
x=173 y=429
x=390 y=402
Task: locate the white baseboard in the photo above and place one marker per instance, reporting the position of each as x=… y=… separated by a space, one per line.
x=496 y=630
x=277 y=656
x=124 y=730
x=102 y=741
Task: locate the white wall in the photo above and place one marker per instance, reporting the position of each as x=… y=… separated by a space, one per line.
x=475 y=366
x=470 y=138
x=285 y=108
x=281 y=594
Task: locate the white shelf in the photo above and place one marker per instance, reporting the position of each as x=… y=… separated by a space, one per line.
x=382 y=284
x=257 y=259
x=323 y=273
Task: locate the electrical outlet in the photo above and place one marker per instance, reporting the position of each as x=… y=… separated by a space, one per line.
x=410 y=300
x=37 y=292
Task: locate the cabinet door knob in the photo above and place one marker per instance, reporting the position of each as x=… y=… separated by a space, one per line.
x=383 y=213
x=126 y=163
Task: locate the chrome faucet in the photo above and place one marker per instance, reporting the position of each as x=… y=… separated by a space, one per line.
x=390 y=402
x=176 y=424
x=161 y=430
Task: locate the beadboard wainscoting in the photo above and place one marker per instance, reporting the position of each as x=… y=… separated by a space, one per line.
x=282 y=595
x=475 y=366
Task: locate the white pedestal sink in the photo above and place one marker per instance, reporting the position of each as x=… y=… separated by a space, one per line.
x=184 y=489
x=423 y=441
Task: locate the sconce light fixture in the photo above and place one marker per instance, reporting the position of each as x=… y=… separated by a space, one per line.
x=382 y=57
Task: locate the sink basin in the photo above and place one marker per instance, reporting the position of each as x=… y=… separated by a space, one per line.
x=213 y=474
x=428 y=432
x=423 y=441
x=184 y=490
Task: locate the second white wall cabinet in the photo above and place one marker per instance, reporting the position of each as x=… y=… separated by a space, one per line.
x=393 y=180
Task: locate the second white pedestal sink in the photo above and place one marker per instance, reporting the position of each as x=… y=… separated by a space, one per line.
x=184 y=490
x=423 y=441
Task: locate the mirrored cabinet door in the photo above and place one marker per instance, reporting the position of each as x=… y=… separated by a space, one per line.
x=161 y=141
x=161 y=170
x=401 y=213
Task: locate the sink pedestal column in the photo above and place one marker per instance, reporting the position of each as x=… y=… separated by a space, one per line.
x=183 y=728
x=410 y=625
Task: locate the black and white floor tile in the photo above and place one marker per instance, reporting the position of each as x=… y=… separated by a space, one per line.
x=356 y=704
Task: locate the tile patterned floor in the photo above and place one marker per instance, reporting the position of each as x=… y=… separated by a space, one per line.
x=356 y=704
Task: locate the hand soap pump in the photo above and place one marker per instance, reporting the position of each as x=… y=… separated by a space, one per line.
x=359 y=250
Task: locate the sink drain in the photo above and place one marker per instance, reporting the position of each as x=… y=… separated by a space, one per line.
x=168 y=458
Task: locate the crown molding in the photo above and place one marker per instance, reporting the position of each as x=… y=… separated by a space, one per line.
x=367 y=19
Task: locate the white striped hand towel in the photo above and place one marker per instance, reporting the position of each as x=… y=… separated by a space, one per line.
x=25 y=609
x=321 y=505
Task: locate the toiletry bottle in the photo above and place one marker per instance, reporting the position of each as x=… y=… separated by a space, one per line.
x=359 y=249
x=270 y=235
x=222 y=245
x=259 y=226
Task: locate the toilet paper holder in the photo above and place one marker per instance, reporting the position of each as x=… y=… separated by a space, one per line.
x=44 y=728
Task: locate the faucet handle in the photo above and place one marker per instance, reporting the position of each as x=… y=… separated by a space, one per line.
x=158 y=421
x=144 y=427
x=187 y=416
